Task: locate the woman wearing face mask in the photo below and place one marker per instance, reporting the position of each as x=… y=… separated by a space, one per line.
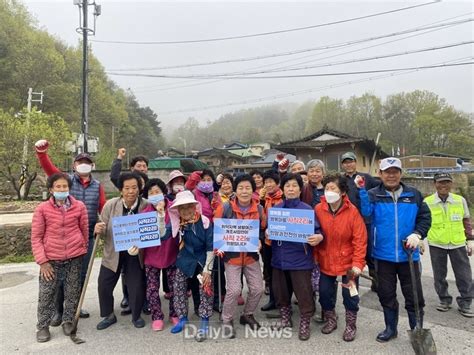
x=292 y=263
x=59 y=240
x=83 y=188
x=343 y=249
x=201 y=183
x=159 y=258
x=176 y=182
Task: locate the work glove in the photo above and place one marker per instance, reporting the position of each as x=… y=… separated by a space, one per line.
x=279 y=157
x=193 y=180
x=470 y=247
x=41 y=146
x=359 y=181
x=133 y=251
x=283 y=165
x=413 y=241
x=219 y=179
x=356 y=271
x=219 y=253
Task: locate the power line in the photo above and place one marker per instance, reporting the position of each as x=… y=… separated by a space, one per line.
x=282 y=76
x=271 y=32
x=181 y=84
x=384 y=56
x=304 y=50
x=301 y=92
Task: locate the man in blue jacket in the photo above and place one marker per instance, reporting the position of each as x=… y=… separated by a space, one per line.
x=399 y=216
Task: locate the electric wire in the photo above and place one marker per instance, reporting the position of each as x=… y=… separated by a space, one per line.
x=270 y=32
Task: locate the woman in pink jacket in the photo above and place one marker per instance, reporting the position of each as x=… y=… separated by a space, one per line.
x=59 y=237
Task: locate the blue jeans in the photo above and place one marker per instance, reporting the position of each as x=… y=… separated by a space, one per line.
x=327 y=294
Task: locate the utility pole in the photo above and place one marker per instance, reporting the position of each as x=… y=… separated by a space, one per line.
x=85 y=30
x=85 y=70
x=24 y=166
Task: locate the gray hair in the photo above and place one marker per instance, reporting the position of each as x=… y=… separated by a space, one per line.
x=316 y=163
x=297 y=162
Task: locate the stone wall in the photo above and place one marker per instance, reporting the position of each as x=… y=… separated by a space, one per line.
x=15 y=240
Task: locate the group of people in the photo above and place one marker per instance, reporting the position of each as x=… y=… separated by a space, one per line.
x=359 y=221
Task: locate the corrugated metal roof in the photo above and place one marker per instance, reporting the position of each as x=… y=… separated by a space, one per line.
x=187 y=165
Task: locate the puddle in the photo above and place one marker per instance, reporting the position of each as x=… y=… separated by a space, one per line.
x=11 y=279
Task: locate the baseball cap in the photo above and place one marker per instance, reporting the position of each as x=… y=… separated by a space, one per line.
x=390 y=162
x=348 y=155
x=442 y=177
x=83 y=156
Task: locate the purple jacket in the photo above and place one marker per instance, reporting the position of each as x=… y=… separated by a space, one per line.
x=162 y=256
x=293 y=255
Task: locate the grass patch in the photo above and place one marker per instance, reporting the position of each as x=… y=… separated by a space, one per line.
x=17 y=259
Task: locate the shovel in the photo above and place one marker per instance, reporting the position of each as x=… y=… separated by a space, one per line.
x=421 y=339
x=73 y=335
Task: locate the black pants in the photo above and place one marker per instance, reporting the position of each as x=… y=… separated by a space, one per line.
x=285 y=282
x=387 y=273
x=164 y=277
x=133 y=276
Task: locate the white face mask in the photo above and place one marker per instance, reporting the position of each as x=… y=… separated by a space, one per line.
x=331 y=196
x=84 y=168
x=177 y=188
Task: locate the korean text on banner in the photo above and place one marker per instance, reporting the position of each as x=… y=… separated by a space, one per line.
x=290 y=225
x=140 y=230
x=236 y=235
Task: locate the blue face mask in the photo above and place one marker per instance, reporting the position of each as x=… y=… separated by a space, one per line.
x=155 y=199
x=60 y=195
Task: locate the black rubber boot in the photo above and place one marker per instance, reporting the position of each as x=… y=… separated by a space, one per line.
x=391 y=323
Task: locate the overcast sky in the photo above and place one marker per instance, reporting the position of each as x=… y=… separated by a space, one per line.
x=180 y=21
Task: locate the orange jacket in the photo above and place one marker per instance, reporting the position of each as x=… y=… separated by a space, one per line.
x=234 y=258
x=345 y=238
x=270 y=201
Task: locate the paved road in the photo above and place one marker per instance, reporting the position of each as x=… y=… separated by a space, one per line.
x=453 y=333
x=16 y=218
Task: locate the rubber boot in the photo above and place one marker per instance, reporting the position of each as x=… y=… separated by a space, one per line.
x=285 y=313
x=331 y=324
x=350 y=331
x=304 y=331
x=180 y=325
x=203 y=330
x=391 y=323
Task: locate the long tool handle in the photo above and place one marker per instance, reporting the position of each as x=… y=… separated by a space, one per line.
x=413 y=285
x=86 y=281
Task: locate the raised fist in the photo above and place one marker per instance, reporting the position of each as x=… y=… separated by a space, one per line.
x=121 y=153
x=41 y=146
x=359 y=181
x=219 y=179
x=283 y=165
x=280 y=156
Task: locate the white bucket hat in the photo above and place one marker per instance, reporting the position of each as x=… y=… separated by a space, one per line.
x=183 y=198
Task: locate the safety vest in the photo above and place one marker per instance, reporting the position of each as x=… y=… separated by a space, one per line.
x=446 y=225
